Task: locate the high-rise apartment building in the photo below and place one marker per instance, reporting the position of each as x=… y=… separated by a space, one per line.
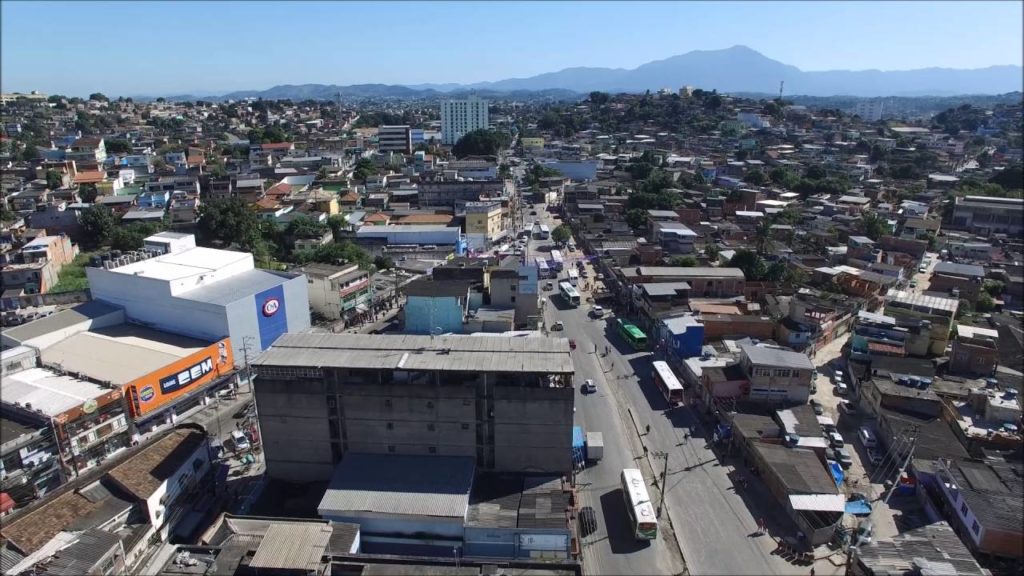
x=460 y=117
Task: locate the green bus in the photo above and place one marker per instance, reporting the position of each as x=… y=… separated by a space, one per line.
x=635 y=336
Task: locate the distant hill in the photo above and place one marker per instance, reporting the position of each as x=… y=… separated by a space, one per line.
x=733 y=70
x=741 y=69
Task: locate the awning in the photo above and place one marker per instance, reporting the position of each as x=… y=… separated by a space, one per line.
x=818 y=502
x=6 y=503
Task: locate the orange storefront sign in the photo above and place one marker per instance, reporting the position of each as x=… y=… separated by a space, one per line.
x=158 y=388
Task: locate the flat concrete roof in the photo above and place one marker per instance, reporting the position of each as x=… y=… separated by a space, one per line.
x=48 y=391
x=454 y=353
x=120 y=354
x=404 y=485
x=60 y=320
x=182 y=264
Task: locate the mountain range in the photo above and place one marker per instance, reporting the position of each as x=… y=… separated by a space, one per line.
x=731 y=70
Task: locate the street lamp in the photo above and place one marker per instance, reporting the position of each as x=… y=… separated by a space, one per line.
x=664 y=476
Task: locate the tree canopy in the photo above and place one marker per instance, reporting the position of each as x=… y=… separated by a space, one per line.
x=97 y=224
x=561 y=233
x=481 y=142
x=229 y=221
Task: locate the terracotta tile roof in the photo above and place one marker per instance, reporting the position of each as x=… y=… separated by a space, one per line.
x=30 y=531
x=425 y=219
x=277 y=146
x=279 y=189
x=879 y=347
x=377 y=217
x=93 y=177
x=350 y=197
x=267 y=204
x=144 y=473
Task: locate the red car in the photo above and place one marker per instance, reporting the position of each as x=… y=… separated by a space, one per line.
x=572 y=344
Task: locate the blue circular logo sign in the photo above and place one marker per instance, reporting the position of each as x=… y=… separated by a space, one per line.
x=146 y=394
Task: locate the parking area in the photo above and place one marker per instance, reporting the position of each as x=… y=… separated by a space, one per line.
x=861 y=476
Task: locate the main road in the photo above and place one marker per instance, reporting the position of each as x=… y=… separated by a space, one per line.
x=705 y=518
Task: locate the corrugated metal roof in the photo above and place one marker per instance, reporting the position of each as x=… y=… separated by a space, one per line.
x=243 y=285
x=408 y=485
x=292 y=547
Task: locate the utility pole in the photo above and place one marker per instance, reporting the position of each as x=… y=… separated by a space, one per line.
x=903 y=467
x=664 y=478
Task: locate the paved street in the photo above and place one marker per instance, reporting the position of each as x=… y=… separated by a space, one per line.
x=712 y=523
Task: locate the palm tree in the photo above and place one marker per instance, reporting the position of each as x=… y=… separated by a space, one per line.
x=763 y=236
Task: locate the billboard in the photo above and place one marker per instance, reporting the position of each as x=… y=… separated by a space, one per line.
x=158 y=388
x=271 y=315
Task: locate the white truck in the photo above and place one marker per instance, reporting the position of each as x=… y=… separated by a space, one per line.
x=595 y=446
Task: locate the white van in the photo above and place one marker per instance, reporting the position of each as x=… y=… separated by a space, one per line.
x=867 y=437
x=239 y=440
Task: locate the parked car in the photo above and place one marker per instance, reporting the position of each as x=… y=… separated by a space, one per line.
x=597 y=312
x=867 y=437
x=239 y=440
x=848 y=408
x=835 y=439
x=557 y=326
x=589 y=387
x=817 y=407
x=874 y=456
x=549 y=285
x=841 y=388
x=843 y=457
x=533 y=212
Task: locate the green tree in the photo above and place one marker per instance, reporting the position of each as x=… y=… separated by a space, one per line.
x=481 y=142
x=383 y=263
x=229 y=221
x=364 y=168
x=711 y=251
x=683 y=261
x=1010 y=178
x=985 y=303
x=763 y=236
x=873 y=226
x=599 y=98
x=561 y=234
x=303 y=226
x=53 y=179
x=994 y=288
x=98 y=97
x=97 y=223
x=636 y=218
x=29 y=153
x=132 y=236
x=118 y=146
x=88 y=193
x=750 y=263
x=755 y=177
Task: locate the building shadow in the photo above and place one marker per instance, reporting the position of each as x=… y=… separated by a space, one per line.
x=621 y=538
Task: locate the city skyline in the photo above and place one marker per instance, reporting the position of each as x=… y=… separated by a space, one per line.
x=221 y=48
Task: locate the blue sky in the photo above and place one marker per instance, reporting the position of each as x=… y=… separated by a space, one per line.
x=140 y=48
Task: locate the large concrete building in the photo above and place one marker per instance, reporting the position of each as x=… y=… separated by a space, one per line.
x=987 y=215
x=460 y=117
x=394 y=139
x=204 y=293
x=507 y=402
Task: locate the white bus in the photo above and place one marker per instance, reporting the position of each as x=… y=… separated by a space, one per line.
x=557 y=262
x=542 y=268
x=574 y=277
x=543 y=232
x=638 y=505
x=569 y=294
x=667 y=382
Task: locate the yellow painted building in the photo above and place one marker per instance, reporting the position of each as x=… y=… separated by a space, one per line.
x=483 y=218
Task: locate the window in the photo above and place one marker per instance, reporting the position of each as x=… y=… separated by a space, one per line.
x=782 y=373
x=430 y=427
x=391 y=449
x=387 y=402
x=433 y=450
x=467 y=402
x=963 y=509
x=465 y=426
x=976 y=528
x=430 y=404
x=513 y=299
x=390 y=426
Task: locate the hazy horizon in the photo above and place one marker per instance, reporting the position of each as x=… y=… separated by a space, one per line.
x=219 y=47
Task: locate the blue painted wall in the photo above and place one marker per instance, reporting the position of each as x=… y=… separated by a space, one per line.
x=423 y=313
